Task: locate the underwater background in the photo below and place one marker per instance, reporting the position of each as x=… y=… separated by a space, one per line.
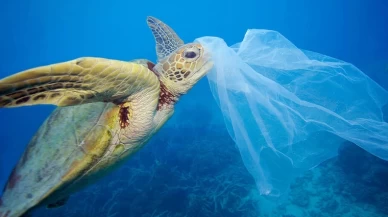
x=192 y=167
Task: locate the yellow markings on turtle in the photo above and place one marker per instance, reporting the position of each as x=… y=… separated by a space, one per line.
x=96 y=144
x=119 y=149
x=179 y=66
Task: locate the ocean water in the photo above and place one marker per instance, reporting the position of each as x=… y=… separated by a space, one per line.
x=192 y=167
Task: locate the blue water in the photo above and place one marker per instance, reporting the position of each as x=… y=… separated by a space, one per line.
x=191 y=167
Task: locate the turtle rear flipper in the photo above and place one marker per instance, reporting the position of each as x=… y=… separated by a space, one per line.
x=58 y=203
x=79 y=81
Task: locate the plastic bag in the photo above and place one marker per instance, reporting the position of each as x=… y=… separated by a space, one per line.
x=288 y=109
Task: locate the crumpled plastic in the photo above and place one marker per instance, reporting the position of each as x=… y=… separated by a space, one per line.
x=288 y=109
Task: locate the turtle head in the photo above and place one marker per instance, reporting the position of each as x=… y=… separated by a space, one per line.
x=182 y=69
x=180 y=66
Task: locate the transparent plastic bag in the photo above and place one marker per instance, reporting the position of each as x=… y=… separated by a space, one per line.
x=288 y=109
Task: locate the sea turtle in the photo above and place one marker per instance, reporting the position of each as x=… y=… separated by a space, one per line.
x=107 y=110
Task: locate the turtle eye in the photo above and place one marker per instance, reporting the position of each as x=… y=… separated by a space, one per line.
x=190 y=54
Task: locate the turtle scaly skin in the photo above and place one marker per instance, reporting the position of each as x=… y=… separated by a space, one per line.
x=107 y=110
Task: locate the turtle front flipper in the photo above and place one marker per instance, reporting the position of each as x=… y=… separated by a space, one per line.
x=79 y=81
x=167 y=41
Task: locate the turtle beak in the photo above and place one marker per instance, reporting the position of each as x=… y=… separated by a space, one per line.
x=207 y=58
